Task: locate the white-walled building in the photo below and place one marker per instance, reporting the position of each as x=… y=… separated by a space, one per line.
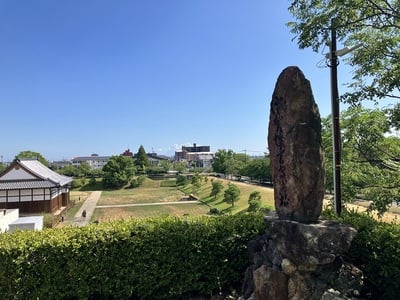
x=31 y=187
x=10 y=221
x=94 y=161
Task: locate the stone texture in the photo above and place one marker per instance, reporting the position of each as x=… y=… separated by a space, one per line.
x=310 y=244
x=301 y=261
x=270 y=284
x=294 y=142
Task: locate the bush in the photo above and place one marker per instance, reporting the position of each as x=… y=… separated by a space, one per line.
x=214 y=211
x=182 y=180
x=376 y=251
x=254 y=205
x=152 y=259
x=48 y=220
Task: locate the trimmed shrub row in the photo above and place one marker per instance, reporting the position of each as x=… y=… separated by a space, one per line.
x=149 y=259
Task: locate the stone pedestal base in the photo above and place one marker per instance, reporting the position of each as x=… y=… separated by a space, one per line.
x=301 y=261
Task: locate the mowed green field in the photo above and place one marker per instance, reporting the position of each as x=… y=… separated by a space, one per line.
x=152 y=191
x=141 y=212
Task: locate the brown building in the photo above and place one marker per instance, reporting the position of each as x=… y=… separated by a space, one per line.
x=33 y=188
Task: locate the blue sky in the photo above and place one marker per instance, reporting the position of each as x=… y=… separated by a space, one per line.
x=99 y=76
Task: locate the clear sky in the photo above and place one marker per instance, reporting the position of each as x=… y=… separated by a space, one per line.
x=99 y=76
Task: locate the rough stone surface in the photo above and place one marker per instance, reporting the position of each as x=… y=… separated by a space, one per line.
x=270 y=284
x=310 y=244
x=294 y=142
x=301 y=261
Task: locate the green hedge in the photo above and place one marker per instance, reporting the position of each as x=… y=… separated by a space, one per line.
x=376 y=251
x=150 y=259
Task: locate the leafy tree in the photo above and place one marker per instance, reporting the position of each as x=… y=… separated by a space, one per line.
x=118 y=171
x=92 y=181
x=370 y=164
x=179 y=166
x=84 y=169
x=374 y=23
x=166 y=165
x=258 y=168
x=181 y=180
x=138 y=181
x=196 y=182
x=232 y=194
x=254 y=201
x=141 y=159
x=69 y=170
x=394 y=116
x=2 y=167
x=220 y=158
x=32 y=155
x=228 y=162
x=217 y=187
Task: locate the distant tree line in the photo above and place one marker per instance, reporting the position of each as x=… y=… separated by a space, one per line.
x=232 y=164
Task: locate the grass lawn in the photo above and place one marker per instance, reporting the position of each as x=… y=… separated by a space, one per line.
x=140 y=212
x=149 y=192
x=267 y=195
x=154 y=191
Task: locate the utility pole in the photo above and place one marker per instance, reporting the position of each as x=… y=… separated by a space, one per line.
x=335 y=121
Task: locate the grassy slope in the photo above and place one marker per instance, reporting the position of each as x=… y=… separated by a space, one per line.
x=267 y=195
x=153 y=192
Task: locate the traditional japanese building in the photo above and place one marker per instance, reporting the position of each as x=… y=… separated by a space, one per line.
x=33 y=188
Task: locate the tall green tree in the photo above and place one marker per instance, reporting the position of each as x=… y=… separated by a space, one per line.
x=28 y=154
x=254 y=201
x=370 y=166
x=69 y=170
x=232 y=194
x=118 y=171
x=141 y=160
x=220 y=158
x=374 y=23
x=216 y=188
x=84 y=169
x=258 y=168
x=228 y=162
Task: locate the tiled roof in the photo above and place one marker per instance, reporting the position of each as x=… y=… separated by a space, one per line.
x=44 y=172
x=20 y=185
x=46 y=178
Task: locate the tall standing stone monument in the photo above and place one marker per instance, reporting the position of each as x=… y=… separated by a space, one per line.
x=300 y=257
x=294 y=141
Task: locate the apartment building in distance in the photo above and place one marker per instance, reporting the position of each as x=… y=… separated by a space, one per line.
x=94 y=161
x=195 y=156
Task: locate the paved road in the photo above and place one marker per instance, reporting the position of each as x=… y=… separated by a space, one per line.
x=88 y=206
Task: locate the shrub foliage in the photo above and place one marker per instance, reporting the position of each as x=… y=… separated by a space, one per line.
x=376 y=251
x=152 y=259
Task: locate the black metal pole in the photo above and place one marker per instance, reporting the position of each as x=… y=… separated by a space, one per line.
x=335 y=122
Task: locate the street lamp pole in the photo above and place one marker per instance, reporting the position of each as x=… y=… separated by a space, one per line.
x=335 y=122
